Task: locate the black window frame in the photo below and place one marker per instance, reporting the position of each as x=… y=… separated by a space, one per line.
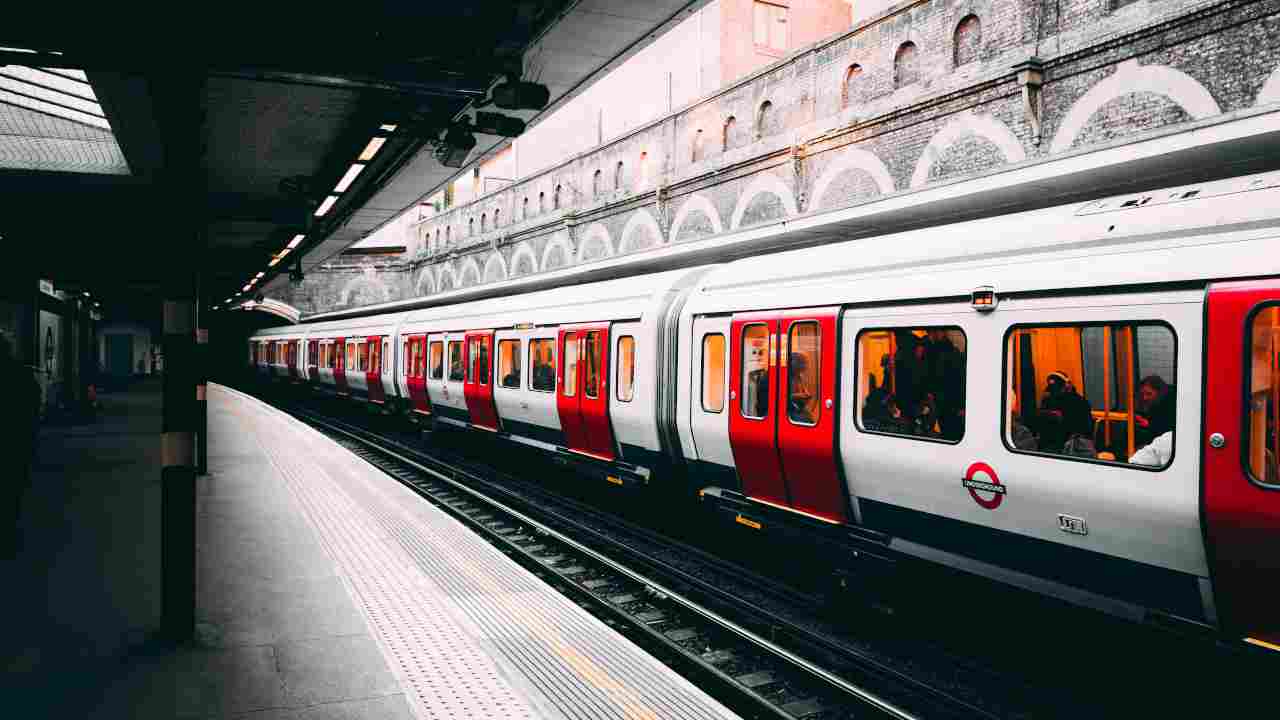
x=817 y=371
x=723 y=364
x=617 y=382
x=857 y=374
x=555 y=368
x=502 y=381
x=742 y=371
x=1004 y=392
x=1247 y=383
x=429 y=373
x=462 y=355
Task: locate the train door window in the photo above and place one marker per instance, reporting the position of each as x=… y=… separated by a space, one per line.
x=542 y=364
x=591 y=365
x=386 y=353
x=437 y=360
x=456 y=370
x=1262 y=443
x=362 y=357
x=406 y=358
x=483 y=371
x=911 y=381
x=570 y=364
x=375 y=357
x=351 y=356
x=509 y=363
x=626 y=381
x=803 y=344
x=713 y=372
x=755 y=371
x=1100 y=392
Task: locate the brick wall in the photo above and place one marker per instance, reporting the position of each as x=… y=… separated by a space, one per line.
x=830 y=141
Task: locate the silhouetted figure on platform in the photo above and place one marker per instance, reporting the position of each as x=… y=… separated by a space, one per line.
x=17 y=442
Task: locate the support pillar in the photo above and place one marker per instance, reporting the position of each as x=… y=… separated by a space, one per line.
x=178 y=477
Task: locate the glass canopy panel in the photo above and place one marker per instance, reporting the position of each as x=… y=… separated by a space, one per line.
x=50 y=120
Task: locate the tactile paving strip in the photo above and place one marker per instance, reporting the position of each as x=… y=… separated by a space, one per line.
x=575 y=663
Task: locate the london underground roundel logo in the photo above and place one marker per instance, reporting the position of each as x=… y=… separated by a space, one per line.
x=981 y=481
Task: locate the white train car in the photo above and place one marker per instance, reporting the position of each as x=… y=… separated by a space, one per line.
x=356 y=358
x=1026 y=397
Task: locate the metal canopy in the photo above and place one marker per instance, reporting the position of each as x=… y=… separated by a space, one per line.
x=50 y=120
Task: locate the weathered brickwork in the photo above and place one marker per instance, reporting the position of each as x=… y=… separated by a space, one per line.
x=846 y=121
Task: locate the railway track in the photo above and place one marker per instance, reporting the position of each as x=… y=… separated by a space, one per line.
x=757 y=661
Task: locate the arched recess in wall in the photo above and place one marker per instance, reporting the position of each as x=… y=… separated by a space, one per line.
x=446 y=278
x=556 y=254
x=523 y=261
x=1130 y=77
x=962 y=125
x=640 y=233
x=764 y=183
x=696 y=210
x=728 y=135
x=426 y=284
x=364 y=290
x=469 y=273
x=764 y=119
x=495 y=268
x=1270 y=91
x=851 y=160
x=966 y=41
x=696 y=151
x=850 y=90
x=596 y=244
x=906 y=65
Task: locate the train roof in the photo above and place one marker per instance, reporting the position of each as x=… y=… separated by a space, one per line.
x=1212 y=230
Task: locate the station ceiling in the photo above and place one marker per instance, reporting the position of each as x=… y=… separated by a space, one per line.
x=225 y=134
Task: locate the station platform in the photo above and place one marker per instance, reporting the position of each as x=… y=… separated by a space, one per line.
x=328 y=590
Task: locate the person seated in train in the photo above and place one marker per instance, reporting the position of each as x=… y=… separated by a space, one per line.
x=544 y=375
x=1157 y=453
x=1063 y=414
x=482 y=364
x=800 y=389
x=909 y=372
x=1156 y=403
x=455 y=367
x=924 y=421
x=1019 y=434
x=875 y=408
x=512 y=378
x=757 y=403
x=944 y=376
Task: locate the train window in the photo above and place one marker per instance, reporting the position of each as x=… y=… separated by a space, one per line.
x=803 y=344
x=437 y=360
x=362 y=357
x=483 y=371
x=351 y=356
x=542 y=364
x=570 y=364
x=418 y=348
x=713 y=372
x=1262 y=442
x=375 y=357
x=1100 y=392
x=591 y=364
x=626 y=381
x=755 y=371
x=509 y=363
x=911 y=381
x=456 y=370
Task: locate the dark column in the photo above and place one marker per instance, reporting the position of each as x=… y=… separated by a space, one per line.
x=202 y=379
x=178 y=490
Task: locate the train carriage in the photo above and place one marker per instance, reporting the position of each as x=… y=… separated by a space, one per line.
x=1080 y=401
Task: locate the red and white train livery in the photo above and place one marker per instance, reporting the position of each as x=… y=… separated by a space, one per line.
x=1081 y=401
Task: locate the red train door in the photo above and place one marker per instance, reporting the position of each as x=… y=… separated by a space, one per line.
x=291 y=352
x=478 y=386
x=753 y=427
x=313 y=357
x=340 y=366
x=806 y=412
x=582 y=398
x=1240 y=487
x=417 y=380
x=782 y=388
x=373 y=370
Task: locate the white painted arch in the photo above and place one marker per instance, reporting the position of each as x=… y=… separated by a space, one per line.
x=640 y=218
x=522 y=251
x=699 y=203
x=556 y=242
x=446 y=276
x=962 y=125
x=854 y=159
x=469 y=269
x=764 y=183
x=595 y=232
x=425 y=284
x=495 y=268
x=1270 y=89
x=1130 y=77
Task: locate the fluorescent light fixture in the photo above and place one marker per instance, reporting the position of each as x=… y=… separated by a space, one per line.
x=296 y=241
x=388 y=127
x=86 y=293
x=228 y=300
x=246 y=288
x=353 y=172
x=255 y=277
x=326 y=205
x=274 y=261
x=371 y=149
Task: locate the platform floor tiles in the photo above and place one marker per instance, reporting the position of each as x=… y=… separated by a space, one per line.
x=328 y=590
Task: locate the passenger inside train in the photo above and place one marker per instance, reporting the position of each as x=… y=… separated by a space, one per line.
x=542 y=358
x=917 y=386
x=1263 y=444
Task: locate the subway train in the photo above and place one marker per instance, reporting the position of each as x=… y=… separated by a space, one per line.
x=1080 y=401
